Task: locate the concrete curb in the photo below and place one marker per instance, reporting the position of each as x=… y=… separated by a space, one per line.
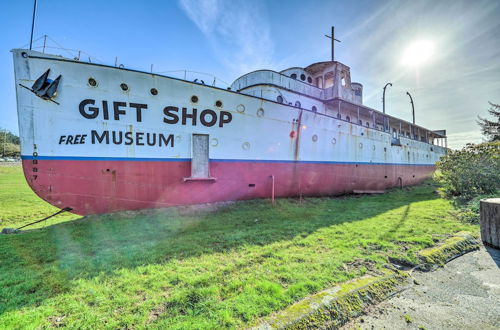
x=453 y=247
x=333 y=307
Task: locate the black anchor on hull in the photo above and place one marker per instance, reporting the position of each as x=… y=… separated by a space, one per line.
x=44 y=87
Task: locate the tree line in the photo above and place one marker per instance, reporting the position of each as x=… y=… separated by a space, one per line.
x=9 y=144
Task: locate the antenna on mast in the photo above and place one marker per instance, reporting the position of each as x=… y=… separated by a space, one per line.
x=33 y=25
x=333 y=42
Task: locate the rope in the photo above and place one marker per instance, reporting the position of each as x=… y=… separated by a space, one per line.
x=66 y=209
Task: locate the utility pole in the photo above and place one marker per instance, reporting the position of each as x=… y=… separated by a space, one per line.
x=4 y=141
x=33 y=25
x=333 y=42
x=383 y=97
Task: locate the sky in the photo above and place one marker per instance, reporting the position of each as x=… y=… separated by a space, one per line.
x=445 y=53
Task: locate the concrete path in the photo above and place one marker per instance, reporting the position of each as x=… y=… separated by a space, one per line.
x=465 y=294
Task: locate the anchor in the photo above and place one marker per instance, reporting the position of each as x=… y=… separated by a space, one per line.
x=44 y=87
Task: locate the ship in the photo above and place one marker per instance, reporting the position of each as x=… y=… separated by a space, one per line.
x=100 y=138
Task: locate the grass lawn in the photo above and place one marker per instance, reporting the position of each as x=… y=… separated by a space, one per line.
x=218 y=270
x=19 y=205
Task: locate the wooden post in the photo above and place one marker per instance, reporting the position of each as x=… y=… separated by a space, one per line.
x=490 y=221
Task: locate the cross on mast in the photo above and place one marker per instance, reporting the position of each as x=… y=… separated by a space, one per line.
x=333 y=42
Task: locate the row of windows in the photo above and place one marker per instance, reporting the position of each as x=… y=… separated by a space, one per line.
x=302 y=77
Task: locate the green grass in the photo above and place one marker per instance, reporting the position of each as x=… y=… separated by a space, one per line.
x=218 y=270
x=19 y=205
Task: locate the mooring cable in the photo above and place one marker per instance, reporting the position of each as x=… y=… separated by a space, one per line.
x=66 y=209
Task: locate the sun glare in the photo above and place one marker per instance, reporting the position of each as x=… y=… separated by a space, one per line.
x=418 y=53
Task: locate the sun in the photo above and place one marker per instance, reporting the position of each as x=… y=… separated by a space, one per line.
x=418 y=53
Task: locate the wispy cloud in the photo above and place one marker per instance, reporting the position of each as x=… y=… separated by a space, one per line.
x=238 y=31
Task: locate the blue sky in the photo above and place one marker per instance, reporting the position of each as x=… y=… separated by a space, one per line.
x=229 y=38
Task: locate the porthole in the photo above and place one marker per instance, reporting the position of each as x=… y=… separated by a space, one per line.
x=315 y=138
x=302 y=77
x=293 y=76
x=240 y=108
x=124 y=87
x=360 y=145
x=218 y=104
x=24 y=54
x=194 y=99
x=153 y=91
x=309 y=80
x=297 y=104
x=92 y=82
x=260 y=112
x=334 y=140
x=245 y=146
x=279 y=99
x=314 y=109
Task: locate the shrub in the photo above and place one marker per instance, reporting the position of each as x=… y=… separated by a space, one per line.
x=470 y=172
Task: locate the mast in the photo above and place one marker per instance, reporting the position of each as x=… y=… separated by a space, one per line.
x=33 y=25
x=332 y=37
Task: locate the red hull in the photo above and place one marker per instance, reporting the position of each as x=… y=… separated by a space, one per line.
x=100 y=186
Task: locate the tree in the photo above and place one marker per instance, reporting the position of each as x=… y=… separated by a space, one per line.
x=491 y=128
x=9 y=144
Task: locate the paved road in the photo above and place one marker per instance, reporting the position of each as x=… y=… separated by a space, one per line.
x=465 y=294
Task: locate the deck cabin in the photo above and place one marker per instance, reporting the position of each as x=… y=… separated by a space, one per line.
x=326 y=89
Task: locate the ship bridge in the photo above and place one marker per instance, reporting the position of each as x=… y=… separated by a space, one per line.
x=326 y=88
x=324 y=81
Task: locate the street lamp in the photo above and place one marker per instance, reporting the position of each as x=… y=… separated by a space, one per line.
x=383 y=97
x=412 y=107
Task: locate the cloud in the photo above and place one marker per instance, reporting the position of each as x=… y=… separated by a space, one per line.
x=238 y=31
x=459 y=140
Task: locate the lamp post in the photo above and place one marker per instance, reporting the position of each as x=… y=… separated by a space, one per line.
x=383 y=97
x=412 y=107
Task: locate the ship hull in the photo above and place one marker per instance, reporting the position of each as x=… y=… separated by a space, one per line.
x=99 y=186
x=98 y=148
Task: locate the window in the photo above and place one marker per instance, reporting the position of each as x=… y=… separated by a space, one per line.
x=293 y=76
x=297 y=104
x=279 y=99
x=319 y=82
x=302 y=77
x=314 y=109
